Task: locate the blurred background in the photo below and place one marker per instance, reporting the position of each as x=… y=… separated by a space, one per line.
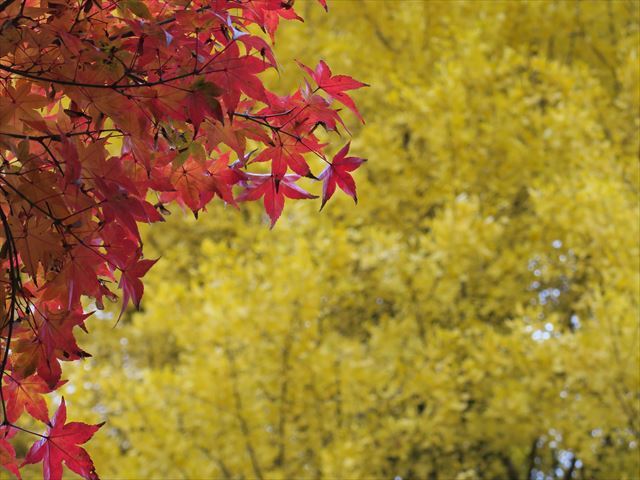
x=474 y=316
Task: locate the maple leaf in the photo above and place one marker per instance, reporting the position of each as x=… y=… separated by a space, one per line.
x=202 y=103
x=283 y=155
x=69 y=152
x=26 y=394
x=235 y=74
x=48 y=340
x=337 y=173
x=60 y=445
x=7 y=452
x=274 y=190
x=271 y=12
x=317 y=112
x=37 y=243
x=190 y=181
x=19 y=105
x=78 y=276
x=132 y=287
x=335 y=85
x=223 y=178
x=121 y=202
x=262 y=47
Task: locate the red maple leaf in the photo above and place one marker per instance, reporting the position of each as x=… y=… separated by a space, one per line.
x=26 y=394
x=286 y=153
x=337 y=173
x=46 y=341
x=191 y=181
x=202 y=103
x=7 y=452
x=335 y=85
x=223 y=178
x=130 y=283
x=60 y=444
x=274 y=190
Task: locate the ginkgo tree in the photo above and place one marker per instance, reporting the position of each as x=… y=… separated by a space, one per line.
x=109 y=111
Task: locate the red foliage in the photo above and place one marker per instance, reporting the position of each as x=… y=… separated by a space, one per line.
x=108 y=111
x=337 y=173
x=60 y=444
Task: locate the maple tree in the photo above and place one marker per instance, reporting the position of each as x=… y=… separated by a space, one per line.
x=109 y=111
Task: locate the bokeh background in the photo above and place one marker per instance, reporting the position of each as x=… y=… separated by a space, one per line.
x=474 y=316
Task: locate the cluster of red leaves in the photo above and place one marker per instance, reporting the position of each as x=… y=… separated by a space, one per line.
x=109 y=110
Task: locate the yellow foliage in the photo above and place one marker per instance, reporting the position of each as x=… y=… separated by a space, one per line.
x=475 y=316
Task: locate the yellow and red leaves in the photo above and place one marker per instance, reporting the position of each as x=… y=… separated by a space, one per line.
x=335 y=85
x=136 y=7
x=61 y=444
x=337 y=173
